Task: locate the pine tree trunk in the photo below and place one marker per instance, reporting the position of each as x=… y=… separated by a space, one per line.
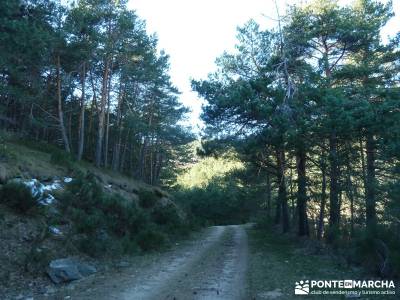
x=268 y=195
x=363 y=168
x=142 y=159
x=117 y=151
x=70 y=125
x=323 y=203
x=100 y=135
x=370 y=190
x=158 y=167
x=282 y=193
x=125 y=149
x=107 y=134
x=350 y=195
x=82 y=115
x=350 y=189
x=106 y=143
x=151 y=163
x=60 y=109
x=117 y=146
x=293 y=207
x=93 y=109
x=334 y=212
x=278 y=212
x=302 y=193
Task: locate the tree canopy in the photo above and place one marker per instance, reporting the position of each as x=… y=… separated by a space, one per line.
x=314 y=103
x=89 y=78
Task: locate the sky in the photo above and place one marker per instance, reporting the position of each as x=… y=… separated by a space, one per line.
x=195 y=32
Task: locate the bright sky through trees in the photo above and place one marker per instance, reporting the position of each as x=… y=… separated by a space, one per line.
x=195 y=32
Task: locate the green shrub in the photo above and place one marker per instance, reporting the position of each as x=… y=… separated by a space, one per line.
x=123 y=217
x=126 y=226
x=5 y=152
x=388 y=243
x=18 y=197
x=159 y=193
x=93 y=246
x=166 y=215
x=333 y=234
x=150 y=239
x=395 y=261
x=128 y=245
x=147 y=199
x=361 y=250
x=263 y=222
x=138 y=220
x=61 y=158
x=57 y=155
x=217 y=203
x=379 y=252
x=84 y=193
x=37 y=145
x=38 y=259
x=88 y=222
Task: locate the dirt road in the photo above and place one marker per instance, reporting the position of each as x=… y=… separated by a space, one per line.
x=211 y=267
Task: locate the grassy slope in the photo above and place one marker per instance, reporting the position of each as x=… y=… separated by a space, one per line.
x=28 y=162
x=277 y=262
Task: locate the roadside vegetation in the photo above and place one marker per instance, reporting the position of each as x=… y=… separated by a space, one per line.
x=113 y=225
x=18 y=197
x=97 y=215
x=277 y=262
x=312 y=108
x=102 y=223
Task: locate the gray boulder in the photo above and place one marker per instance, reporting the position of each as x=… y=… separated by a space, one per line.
x=68 y=269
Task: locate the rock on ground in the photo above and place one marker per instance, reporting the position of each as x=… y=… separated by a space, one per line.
x=68 y=269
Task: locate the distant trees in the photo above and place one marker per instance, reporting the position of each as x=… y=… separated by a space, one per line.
x=213 y=191
x=88 y=77
x=314 y=102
